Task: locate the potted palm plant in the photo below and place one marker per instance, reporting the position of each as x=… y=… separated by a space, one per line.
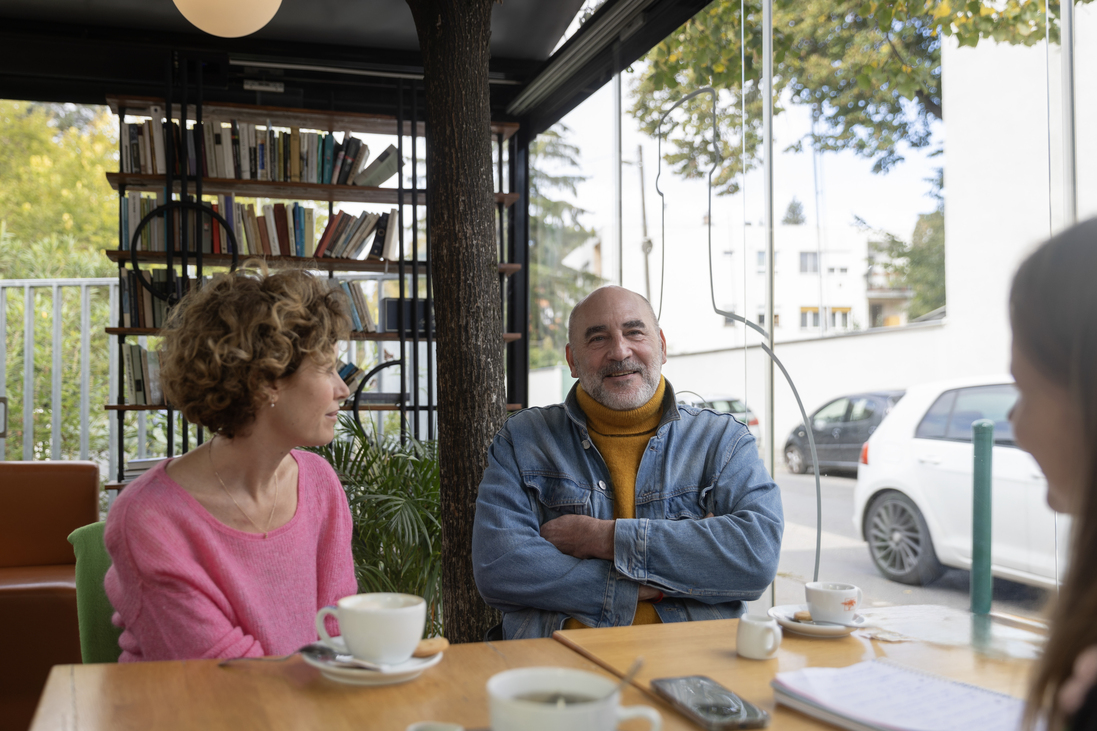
x=393 y=489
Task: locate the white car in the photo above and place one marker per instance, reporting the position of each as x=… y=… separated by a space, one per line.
x=726 y=404
x=913 y=500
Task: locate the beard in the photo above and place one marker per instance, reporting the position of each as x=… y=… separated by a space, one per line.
x=622 y=399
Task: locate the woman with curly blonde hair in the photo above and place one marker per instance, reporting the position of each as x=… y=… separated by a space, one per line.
x=230 y=549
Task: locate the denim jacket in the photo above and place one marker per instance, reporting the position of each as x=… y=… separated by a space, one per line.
x=543 y=464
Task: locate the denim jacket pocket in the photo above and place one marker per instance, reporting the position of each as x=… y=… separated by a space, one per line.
x=558 y=494
x=683 y=504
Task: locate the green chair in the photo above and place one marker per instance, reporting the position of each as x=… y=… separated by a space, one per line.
x=98 y=637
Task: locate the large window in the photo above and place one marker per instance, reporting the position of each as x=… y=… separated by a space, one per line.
x=862 y=172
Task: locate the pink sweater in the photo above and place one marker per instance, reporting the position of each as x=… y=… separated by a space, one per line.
x=186 y=586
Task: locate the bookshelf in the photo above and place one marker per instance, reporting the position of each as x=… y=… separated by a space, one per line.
x=146 y=183
x=185 y=169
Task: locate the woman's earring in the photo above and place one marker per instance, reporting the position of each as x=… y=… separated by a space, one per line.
x=272 y=404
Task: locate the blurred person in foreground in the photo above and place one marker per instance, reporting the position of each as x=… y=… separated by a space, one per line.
x=230 y=550
x=1053 y=310
x=620 y=506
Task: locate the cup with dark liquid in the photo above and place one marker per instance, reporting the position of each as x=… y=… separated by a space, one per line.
x=560 y=699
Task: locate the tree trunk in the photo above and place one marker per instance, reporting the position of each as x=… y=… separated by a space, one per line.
x=453 y=37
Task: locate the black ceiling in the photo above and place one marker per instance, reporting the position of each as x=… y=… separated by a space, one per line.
x=520 y=29
x=83 y=50
x=347 y=55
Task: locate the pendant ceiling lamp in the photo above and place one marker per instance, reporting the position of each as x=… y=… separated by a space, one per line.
x=228 y=18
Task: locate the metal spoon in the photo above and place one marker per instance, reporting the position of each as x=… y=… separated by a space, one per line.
x=629 y=675
x=321 y=653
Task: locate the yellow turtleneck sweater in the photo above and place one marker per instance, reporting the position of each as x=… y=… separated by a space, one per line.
x=621 y=437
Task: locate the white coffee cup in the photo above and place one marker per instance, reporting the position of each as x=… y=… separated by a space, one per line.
x=758 y=637
x=831 y=602
x=527 y=699
x=381 y=628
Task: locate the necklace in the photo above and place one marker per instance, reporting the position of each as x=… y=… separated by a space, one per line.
x=270 y=518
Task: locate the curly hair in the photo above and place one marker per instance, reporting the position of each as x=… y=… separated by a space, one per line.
x=225 y=342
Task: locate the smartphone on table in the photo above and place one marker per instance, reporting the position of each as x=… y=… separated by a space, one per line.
x=709 y=704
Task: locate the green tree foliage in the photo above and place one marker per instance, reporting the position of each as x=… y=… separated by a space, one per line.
x=870 y=70
x=53 y=164
x=794 y=214
x=44 y=259
x=919 y=264
x=57 y=214
x=555 y=231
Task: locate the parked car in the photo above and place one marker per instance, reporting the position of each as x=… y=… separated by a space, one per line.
x=840 y=428
x=913 y=500
x=726 y=404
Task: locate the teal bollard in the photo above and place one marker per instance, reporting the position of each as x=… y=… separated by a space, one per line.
x=981 y=582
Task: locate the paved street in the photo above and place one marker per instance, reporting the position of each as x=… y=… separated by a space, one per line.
x=845 y=555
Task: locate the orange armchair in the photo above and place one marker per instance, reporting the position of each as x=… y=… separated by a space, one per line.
x=40 y=504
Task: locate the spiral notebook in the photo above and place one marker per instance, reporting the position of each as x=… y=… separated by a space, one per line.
x=880 y=695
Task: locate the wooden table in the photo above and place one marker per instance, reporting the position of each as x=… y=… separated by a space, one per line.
x=941 y=643
x=199 y=695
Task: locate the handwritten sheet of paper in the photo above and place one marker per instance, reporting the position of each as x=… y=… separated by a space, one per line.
x=885 y=695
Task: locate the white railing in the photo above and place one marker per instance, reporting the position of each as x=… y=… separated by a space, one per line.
x=26 y=288
x=91 y=408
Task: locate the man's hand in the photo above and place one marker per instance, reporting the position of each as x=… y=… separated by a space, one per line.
x=580 y=536
x=647 y=593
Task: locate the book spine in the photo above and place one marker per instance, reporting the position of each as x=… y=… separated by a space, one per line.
x=340 y=153
x=351 y=307
x=371 y=326
x=135 y=148
x=235 y=150
x=246 y=151
x=329 y=158
x=159 y=157
x=295 y=155
x=134 y=364
x=310 y=232
x=261 y=155
x=378 y=245
x=156 y=394
x=299 y=228
x=145 y=387
x=271 y=218
x=192 y=157
x=391 y=249
x=124 y=297
x=216 y=234
x=326 y=236
x=131 y=382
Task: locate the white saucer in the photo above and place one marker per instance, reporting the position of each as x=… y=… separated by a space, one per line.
x=784 y=616
x=401 y=673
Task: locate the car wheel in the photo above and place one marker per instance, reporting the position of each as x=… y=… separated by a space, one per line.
x=794 y=460
x=899 y=541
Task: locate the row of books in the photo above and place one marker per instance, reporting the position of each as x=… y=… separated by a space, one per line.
x=280 y=229
x=243 y=151
x=357 y=305
x=142 y=375
x=140 y=309
x=349 y=237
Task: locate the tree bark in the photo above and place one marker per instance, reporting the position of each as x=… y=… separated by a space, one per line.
x=453 y=38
